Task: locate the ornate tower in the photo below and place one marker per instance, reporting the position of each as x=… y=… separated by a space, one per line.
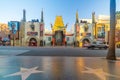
x=76 y=31
x=22 y=29
x=42 y=19
x=24 y=15
x=77 y=17
x=42 y=42
x=93 y=17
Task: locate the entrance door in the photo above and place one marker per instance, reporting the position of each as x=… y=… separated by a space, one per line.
x=58 y=38
x=86 y=42
x=33 y=42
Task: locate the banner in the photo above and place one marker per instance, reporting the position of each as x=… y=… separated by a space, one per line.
x=14 y=26
x=41 y=27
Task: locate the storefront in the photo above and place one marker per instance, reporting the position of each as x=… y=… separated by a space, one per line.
x=58 y=32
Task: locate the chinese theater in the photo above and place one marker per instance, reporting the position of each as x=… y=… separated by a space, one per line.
x=58 y=32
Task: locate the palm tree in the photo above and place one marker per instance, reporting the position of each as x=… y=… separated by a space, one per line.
x=111 y=52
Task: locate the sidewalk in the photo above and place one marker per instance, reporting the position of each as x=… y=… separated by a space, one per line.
x=58 y=68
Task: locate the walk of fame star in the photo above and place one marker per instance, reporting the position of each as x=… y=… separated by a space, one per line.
x=25 y=72
x=99 y=73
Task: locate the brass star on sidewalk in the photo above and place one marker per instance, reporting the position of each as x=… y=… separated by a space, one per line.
x=99 y=73
x=25 y=73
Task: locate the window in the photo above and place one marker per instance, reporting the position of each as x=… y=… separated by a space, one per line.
x=49 y=38
x=68 y=38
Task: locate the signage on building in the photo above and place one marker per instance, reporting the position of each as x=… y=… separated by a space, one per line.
x=83 y=21
x=101 y=39
x=14 y=26
x=86 y=34
x=78 y=28
x=41 y=30
x=32 y=33
x=41 y=27
x=41 y=33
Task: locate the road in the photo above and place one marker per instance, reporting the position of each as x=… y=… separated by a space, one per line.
x=58 y=63
x=54 y=51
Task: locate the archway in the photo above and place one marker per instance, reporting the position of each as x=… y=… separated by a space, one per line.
x=59 y=38
x=32 y=42
x=86 y=42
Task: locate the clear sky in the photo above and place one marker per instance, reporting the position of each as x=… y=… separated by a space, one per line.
x=12 y=9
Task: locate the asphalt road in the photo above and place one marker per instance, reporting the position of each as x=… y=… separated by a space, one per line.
x=54 y=51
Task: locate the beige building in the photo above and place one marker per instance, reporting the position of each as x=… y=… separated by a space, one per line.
x=31 y=35
x=32 y=32
x=100 y=29
x=86 y=32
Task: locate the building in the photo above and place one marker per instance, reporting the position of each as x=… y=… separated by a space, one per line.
x=76 y=31
x=95 y=29
x=48 y=37
x=69 y=38
x=83 y=32
x=58 y=32
x=102 y=28
x=32 y=32
x=86 y=33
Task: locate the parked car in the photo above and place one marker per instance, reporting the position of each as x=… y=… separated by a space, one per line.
x=98 y=45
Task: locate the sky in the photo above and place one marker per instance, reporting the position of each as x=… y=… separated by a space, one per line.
x=11 y=10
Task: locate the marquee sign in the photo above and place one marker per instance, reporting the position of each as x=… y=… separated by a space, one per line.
x=32 y=33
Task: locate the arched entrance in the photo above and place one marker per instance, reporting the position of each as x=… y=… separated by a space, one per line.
x=59 y=36
x=32 y=42
x=86 y=42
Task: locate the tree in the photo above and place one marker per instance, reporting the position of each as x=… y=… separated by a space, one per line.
x=111 y=52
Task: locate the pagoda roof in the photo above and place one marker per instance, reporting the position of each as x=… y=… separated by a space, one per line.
x=58 y=23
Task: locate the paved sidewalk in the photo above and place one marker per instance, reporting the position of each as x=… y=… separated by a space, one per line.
x=58 y=68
